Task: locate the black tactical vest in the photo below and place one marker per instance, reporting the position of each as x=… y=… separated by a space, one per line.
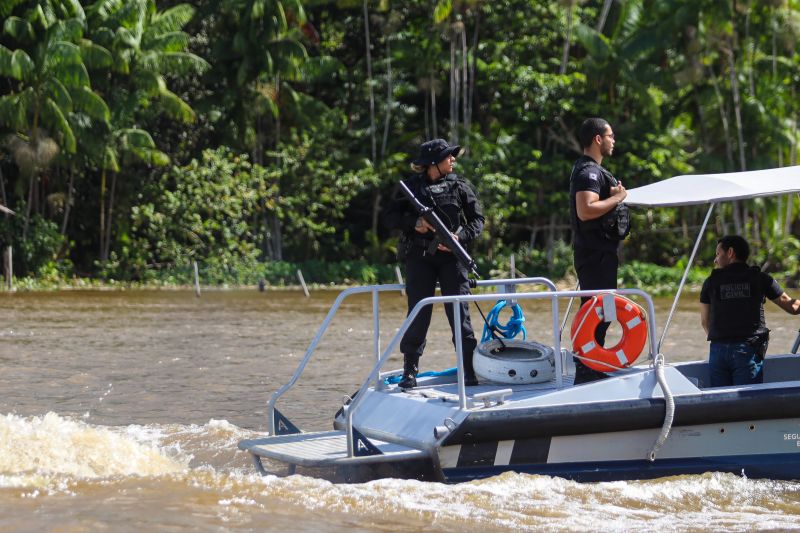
x=615 y=224
x=736 y=304
x=443 y=196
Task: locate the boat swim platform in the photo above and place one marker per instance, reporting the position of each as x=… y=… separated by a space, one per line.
x=324 y=448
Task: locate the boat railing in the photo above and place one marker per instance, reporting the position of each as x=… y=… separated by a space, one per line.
x=553 y=295
x=508 y=284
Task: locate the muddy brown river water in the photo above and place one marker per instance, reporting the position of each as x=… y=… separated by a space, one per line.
x=121 y=411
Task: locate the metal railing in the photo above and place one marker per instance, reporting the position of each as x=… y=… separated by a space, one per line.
x=349 y=409
x=509 y=285
x=375 y=290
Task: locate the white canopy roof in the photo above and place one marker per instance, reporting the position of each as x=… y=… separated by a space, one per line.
x=708 y=188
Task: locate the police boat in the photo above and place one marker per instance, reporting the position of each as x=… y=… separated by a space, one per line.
x=644 y=421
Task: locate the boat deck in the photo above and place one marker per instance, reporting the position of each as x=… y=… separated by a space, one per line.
x=448 y=392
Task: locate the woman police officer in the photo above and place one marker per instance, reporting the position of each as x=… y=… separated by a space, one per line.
x=435 y=185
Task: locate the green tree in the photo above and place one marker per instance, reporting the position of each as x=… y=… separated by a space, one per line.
x=148 y=47
x=46 y=56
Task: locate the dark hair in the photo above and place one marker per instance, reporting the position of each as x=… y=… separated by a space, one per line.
x=739 y=245
x=590 y=128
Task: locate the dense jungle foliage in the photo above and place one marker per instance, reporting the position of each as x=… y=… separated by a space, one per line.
x=253 y=136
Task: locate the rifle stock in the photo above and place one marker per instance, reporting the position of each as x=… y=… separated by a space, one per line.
x=443 y=234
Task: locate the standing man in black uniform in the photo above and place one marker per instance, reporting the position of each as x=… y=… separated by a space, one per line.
x=436 y=186
x=732 y=314
x=594 y=194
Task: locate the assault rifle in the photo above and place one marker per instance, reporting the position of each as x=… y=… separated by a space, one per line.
x=443 y=234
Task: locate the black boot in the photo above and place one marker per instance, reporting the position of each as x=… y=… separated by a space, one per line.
x=410 y=369
x=470 y=379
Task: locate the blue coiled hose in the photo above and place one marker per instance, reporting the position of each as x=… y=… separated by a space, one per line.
x=511 y=329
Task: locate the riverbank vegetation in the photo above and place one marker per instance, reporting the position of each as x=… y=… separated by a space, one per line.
x=256 y=137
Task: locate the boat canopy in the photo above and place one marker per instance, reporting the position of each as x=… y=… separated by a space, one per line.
x=715 y=188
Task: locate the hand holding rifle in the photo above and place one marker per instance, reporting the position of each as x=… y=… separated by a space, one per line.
x=430 y=221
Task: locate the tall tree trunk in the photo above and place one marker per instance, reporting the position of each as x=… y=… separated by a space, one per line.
x=427 y=116
x=110 y=219
x=369 y=85
x=31 y=186
x=787 y=227
x=434 y=128
x=277 y=237
x=3 y=186
x=473 y=68
x=389 y=98
x=737 y=106
x=751 y=52
x=454 y=89
x=723 y=118
x=741 y=222
x=465 y=84
x=102 y=210
x=567 y=38
x=601 y=22
x=68 y=203
x=728 y=145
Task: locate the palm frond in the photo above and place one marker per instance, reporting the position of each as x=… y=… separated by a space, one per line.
x=95 y=56
x=319 y=68
x=171 y=20
x=63 y=53
x=12 y=112
x=16 y=64
x=54 y=118
x=176 y=63
x=59 y=94
x=7 y=7
x=110 y=160
x=149 y=82
x=91 y=103
x=129 y=138
x=151 y=156
x=19 y=29
x=594 y=42
x=72 y=9
x=103 y=9
x=174 y=41
x=442 y=11
x=70 y=30
x=72 y=75
x=176 y=108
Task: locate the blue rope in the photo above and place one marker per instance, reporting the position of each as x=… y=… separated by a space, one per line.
x=391 y=380
x=512 y=327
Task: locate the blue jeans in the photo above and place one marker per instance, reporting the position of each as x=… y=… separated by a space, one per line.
x=735 y=363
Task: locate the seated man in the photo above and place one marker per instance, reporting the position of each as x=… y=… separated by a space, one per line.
x=732 y=314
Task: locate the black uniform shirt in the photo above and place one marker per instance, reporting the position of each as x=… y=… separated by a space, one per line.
x=587 y=175
x=452 y=199
x=736 y=296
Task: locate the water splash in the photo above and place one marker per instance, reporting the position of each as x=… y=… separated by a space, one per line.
x=51 y=445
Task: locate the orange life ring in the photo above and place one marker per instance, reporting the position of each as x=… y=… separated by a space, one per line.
x=634 y=334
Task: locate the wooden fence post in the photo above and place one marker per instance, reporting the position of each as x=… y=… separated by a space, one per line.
x=302 y=282
x=196 y=279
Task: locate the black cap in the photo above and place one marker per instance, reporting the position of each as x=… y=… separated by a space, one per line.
x=432 y=152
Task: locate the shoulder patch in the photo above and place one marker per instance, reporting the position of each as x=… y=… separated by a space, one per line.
x=593 y=176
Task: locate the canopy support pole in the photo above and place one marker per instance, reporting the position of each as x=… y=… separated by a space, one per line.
x=685 y=275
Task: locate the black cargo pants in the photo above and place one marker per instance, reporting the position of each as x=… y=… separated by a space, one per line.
x=422 y=272
x=596 y=269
